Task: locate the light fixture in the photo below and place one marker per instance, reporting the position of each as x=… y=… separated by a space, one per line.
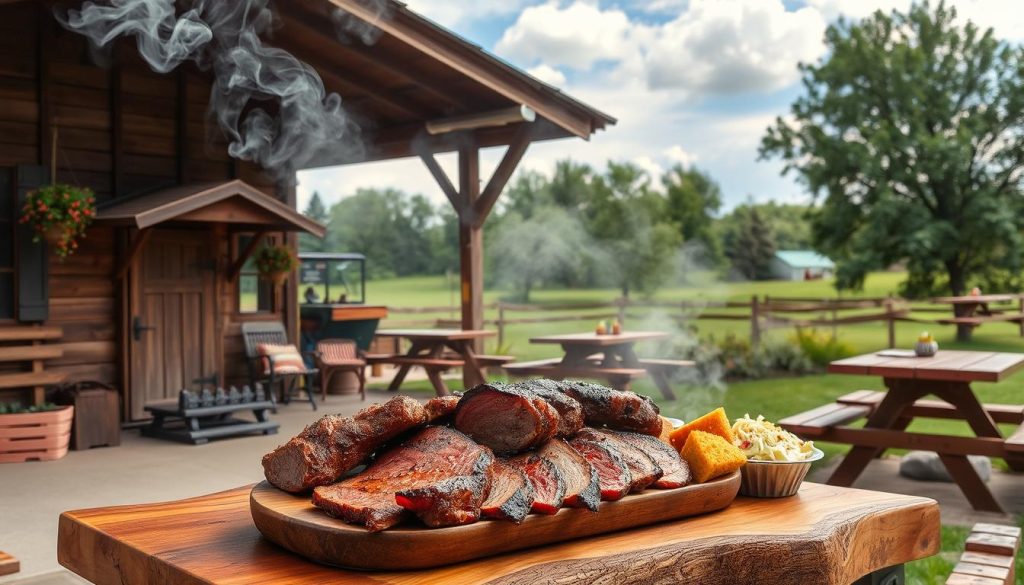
x=520 y=113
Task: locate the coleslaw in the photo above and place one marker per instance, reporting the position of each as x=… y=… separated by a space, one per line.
x=761 y=440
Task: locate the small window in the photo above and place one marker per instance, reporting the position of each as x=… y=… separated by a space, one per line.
x=8 y=226
x=255 y=294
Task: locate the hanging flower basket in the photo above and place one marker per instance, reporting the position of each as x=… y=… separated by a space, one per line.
x=275 y=263
x=59 y=214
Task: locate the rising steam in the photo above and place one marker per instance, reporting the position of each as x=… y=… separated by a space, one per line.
x=296 y=122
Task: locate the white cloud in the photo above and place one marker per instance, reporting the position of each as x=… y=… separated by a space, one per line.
x=678 y=155
x=548 y=74
x=461 y=13
x=578 y=35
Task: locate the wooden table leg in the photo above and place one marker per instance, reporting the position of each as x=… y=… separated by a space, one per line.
x=960 y=395
x=965 y=476
x=434 y=375
x=899 y=397
x=403 y=371
x=576 y=355
x=662 y=381
x=465 y=349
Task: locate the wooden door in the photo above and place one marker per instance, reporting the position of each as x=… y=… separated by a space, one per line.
x=172 y=320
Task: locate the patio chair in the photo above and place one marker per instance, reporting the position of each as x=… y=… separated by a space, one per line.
x=340 y=355
x=262 y=367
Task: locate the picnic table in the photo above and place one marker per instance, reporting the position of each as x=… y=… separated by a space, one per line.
x=971 y=311
x=610 y=357
x=825 y=535
x=436 y=351
x=948 y=376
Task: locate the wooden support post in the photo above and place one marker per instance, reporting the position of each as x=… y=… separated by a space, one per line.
x=755 y=321
x=244 y=255
x=501 y=324
x=891 y=322
x=1020 y=309
x=134 y=247
x=471 y=248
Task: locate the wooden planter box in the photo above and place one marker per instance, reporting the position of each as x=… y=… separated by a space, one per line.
x=39 y=436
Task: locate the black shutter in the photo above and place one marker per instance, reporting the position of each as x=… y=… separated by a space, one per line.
x=33 y=275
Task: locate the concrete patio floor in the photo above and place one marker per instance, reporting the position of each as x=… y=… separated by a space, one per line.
x=141 y=470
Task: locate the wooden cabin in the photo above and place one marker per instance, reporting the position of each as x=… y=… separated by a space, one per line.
x=155 y=297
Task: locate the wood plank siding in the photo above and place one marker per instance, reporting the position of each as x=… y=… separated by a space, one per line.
x=121 y=130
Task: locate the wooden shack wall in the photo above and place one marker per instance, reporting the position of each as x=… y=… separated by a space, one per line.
x=120 y=129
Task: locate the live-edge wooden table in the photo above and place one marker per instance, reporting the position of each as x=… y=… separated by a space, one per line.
x=825 y=535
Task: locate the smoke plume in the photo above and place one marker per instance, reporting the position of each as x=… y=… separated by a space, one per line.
x=272 y=107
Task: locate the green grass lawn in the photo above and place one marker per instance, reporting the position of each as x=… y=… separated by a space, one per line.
x=775 y=398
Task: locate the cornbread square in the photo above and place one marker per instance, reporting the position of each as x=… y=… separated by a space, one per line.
x=714 y=422
x=711 y=456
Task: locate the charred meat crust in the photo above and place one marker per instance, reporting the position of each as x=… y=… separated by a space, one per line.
x=642 y=467
x=676 y=472
x=582 y=485
x=333 y=445
x=546 y=480
x=441 y=409
x=615 y=409
x=570 y=411
x=613 y=474
x=511 y=494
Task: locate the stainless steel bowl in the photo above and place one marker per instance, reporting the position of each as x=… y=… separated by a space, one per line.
x=775 y=479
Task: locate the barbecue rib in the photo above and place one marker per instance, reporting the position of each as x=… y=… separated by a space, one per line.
x=511 y=493
x=440 y=409
x=643 y=470
x=547 y=482
x=582 y=488
x=615 y=409
x=613 y=475
x=507 y=418
x=333 y=445
x=439 y=473
x=676 y=472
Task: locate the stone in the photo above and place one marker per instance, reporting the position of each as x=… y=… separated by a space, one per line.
x=926 y=466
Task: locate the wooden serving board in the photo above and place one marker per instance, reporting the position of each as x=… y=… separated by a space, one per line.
x=296 y=524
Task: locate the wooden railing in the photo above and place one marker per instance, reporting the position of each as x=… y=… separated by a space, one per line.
x=763 y=313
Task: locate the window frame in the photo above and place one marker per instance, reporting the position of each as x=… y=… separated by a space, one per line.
x=265 y=305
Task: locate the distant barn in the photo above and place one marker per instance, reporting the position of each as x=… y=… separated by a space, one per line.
x=801 y=265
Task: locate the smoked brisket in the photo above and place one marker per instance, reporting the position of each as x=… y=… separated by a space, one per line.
x=615 y=409
x=511 y=493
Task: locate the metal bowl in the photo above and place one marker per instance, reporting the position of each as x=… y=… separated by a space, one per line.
x=775 y=479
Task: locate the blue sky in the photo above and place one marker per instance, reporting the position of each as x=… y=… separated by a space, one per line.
x=691 y=81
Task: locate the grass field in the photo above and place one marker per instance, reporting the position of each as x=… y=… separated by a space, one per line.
x=774 y=398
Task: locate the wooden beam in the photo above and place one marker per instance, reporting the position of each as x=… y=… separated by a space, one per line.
x=44 y=37
x=116 y=124
x=520 y=142
x=456 y=198
x=181 y=119
x=471 y=252
x=134 y=247
x=245 y=254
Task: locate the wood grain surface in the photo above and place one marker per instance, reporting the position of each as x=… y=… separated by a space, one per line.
x=947 y=365
x=824 y=535
x=296 y=524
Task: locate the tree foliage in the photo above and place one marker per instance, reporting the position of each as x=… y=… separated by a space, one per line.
x=751 y=246
x=316 y=211
x=910 y=131
x=693 y=198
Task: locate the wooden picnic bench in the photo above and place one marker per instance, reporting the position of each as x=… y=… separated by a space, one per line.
x=972 y=311
x=197 y=417
x=948 y=376
x=26 y=345
x=988 y=557
x=436 y=351
x=660 y=370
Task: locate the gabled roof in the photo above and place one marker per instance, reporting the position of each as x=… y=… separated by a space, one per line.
x=804 y=259
x=231 y=202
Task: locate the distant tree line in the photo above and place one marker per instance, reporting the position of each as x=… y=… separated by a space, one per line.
x=581 y=227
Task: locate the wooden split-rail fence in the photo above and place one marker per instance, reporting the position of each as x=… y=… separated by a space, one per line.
x=763 y=313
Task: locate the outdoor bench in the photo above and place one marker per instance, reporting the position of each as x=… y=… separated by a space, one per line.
x=618 y=377
x=988 y=557
x=197 y=417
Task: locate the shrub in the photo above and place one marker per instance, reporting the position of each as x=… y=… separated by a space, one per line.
x=17 y=408
x=275 y=259
x=821 y=348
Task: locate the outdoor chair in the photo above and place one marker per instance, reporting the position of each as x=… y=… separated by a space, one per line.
x=269 y=369
x=340 y=355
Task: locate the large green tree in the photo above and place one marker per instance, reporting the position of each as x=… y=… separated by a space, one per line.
x=316 y=211
x=751 y=246
x=912 y=131
x=693 y=200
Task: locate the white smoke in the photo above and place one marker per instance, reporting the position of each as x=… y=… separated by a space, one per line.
x=351 y=28
x=272 y=107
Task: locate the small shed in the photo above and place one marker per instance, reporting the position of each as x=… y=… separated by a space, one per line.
x=801 y=265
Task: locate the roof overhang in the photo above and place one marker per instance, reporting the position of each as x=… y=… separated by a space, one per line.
x=234 y=202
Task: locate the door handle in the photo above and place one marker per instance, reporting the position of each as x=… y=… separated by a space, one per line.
x=138 y=328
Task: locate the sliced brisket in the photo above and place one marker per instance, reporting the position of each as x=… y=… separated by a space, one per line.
x=676 y=472
x=333 y=445
x=511 y=493
x=582 y=487
x=548 y=485
x=643 y=470
x=438 y=473
x=570 y=411
x=615 y=409
x=613 y=475
x=507 y=418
